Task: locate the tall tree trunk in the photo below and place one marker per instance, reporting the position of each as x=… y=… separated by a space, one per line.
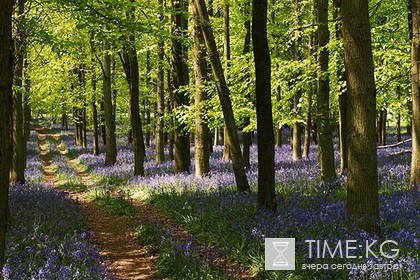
x=170 y=107
x=226 y=54
x=415 y=91
x=147 y=104
x=95 y=125
x=297 y=55
x=223 y=92
x=266 y=179
x=247 y=136
x=17 y=172
x=342 y=98
x=111 y=143
x=6 y=77
x=362 y=184
x=180 y=79
x=131 y=67
x=398 y=122
x=26 y=110
x=160 y=108
x=325 y=143
x=311 y=50
x=202 y=132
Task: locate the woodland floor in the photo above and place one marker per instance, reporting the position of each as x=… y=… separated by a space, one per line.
x=115 y=235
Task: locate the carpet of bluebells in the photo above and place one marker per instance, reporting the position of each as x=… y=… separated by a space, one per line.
x=228 y=222
x=46 y=236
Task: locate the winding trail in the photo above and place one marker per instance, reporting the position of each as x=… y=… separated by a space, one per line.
x=113 y=235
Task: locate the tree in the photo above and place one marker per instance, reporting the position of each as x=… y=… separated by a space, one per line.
x=111 y=143
x=362 y=185
x=265 y=126
x=180 y=78
x=131 y=67
x=223 y=92
x=17 y=172
x=6 y=64
x=202 y=132
x=415 y=92
x=160 y=106
x=297 y=56
x=226 y=54
x=247 y=135
x=325 y=144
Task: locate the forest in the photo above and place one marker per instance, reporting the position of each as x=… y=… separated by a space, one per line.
x=210 y=139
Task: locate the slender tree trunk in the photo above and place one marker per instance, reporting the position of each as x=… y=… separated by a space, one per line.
x=111 y=145
x=202 y=132
x=297 y=126
x=160 y=108
x=131 y=67
x=362 y=184
x=17 y=172
x=223 y=92
x=170 y=107
x=26 y=110
x=266 y=179
x=279 y=128
x=6 y=76
x=95 y=129
x=415 y=91
x=180 y=79
x=247 y=136
x=325 y=144
x=147 y=104
x=311 y=50
x=383 y=126
x=342 y=98
x=226 y=54
x=398 y=125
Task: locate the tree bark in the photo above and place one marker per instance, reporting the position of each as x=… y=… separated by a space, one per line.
x=160 y=108
x=362 y=185
x=415 y=91
x=95 y=129
x=17 y=172
x=266 y=179
x=247 y=136
x=342 y=98
x=6 y=79
x=223 y=92
x=202 y=132
x=325 y=143
x=111 y=145
x=312 y=45
x=180 y=79
x=297 y=55
x=226 y=54
x=131 y=67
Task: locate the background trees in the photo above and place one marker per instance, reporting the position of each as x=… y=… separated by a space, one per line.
x=69 y=43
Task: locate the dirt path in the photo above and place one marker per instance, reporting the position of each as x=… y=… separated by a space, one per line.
x=113 y=235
